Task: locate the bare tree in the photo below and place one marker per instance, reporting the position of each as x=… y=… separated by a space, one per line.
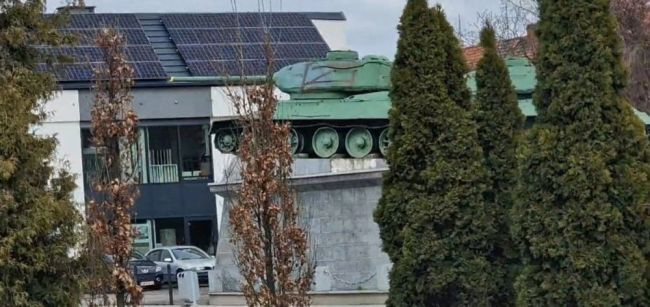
x=269 y=244
x=509 y=22
x=114 y=134
x=634 y=29
x=512 y=23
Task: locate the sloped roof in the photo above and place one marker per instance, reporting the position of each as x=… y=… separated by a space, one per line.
x=160 y=46
x=515 y=47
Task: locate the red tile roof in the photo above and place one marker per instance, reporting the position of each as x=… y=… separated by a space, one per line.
x=524 y=46
x=519 y=47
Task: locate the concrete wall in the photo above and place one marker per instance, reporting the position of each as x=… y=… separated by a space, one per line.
x=62 y=122
x=336 y=200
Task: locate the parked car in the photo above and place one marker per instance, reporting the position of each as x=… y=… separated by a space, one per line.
x=183 y=258
x=145 y=271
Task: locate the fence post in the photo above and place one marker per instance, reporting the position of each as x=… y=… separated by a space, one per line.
x=169 y=282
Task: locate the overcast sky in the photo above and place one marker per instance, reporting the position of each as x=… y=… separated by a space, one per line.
x=371 y=23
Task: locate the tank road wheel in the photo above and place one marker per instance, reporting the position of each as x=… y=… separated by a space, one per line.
x=384 y=142
x=325 y=142
x=226 y=141
x=297 y=141
x=358 y=142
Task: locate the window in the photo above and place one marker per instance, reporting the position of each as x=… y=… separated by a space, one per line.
x=165 y=254
x=164 y=154
x=154 y=255
x=195 y=152
x=90 y=161
x=188 y=254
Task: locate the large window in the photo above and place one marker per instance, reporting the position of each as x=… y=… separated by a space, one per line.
x=161 y=155
x=195 y=152
x=165 y=154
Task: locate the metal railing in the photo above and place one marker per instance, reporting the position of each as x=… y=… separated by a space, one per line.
x=161 y=167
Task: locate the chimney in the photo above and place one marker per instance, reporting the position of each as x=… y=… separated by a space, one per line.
x=76 y=9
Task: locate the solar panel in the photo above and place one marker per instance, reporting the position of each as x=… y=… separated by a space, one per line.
x=217 y=36
x=252 y=52
x=95 y=54
x=245 y=35
x=215 y=44
x=86 y=54
x=96 y=21
x=235 y=20
x=300 y=51
x=149 y=70
x=141 y=54
x=87 y=37
x=86 y=71
x=296 y=35
x=210 y=44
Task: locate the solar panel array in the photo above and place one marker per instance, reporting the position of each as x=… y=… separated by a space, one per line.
x=233 y=44
x=87 y=55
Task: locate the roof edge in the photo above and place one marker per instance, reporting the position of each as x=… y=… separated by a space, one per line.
x=335 y=16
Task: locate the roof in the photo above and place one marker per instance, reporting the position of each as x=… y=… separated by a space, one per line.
x=515 y=47
x=325 y=15
x=160 y=46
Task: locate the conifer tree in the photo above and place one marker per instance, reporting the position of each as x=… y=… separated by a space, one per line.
x=580 y=214
x=434 y=223
x=455 y=82
x=499 y=121
x=409 y=136
x=37 y=216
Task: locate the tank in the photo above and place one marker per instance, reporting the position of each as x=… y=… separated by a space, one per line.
x=337 y=106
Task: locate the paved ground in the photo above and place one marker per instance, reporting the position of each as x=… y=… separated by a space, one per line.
x=161 y=297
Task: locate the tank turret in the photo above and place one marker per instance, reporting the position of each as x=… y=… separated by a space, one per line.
x=339 y=75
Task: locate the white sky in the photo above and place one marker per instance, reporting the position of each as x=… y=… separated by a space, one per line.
x=371 y=23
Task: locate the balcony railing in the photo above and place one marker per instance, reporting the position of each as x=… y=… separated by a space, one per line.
x=161 y=167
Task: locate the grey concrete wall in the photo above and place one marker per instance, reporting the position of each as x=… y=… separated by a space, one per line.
x=161 y=103
x=336 y=209
x=345 y=238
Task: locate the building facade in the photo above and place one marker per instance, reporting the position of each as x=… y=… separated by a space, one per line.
x=175 y=150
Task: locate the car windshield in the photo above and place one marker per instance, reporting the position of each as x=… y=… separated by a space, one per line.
x=188 y=254
x=136 y=256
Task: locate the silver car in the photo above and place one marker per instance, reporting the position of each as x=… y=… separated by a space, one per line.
x=182 y=258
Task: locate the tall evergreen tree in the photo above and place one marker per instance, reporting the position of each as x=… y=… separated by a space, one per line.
x=434 y=223
x=413 y=75
x=455 y=65
x=37 y=217
x=500 y=122
x=580 y=214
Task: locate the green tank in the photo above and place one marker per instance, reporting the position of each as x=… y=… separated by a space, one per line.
x=337 y=106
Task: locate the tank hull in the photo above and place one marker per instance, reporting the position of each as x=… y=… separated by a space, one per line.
x=323 y=128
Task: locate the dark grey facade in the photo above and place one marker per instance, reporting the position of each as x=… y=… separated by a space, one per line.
x=179 y=202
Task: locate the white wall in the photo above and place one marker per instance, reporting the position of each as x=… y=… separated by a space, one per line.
x=333 y=32
x=63 y=123
x=221 y=108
